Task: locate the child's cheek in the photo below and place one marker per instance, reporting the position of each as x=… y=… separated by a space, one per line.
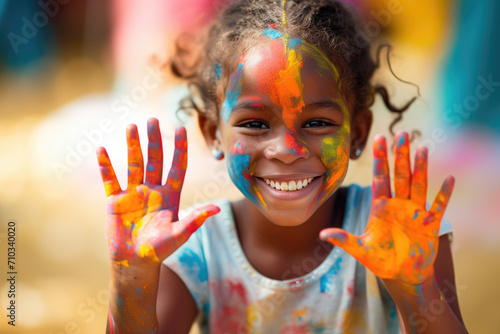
x=335 y=156
x=240 y=170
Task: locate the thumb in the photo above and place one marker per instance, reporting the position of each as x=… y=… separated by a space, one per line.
x=349 y=242
x=187 y=226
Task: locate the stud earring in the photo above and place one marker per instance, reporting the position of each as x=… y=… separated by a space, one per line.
x=218 y=154
x=357 y=153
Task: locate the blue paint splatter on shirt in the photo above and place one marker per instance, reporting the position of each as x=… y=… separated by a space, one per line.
x=324 y=282
x=197 y=267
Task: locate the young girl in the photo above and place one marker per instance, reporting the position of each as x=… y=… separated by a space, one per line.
x=283 y=94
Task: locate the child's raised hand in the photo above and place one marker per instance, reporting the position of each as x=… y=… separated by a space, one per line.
x=141 y=224
x=402 y=238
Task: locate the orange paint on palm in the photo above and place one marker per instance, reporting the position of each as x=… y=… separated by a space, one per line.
x=401 y=239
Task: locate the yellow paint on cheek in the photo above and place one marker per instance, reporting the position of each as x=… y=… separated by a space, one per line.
x=335 y=154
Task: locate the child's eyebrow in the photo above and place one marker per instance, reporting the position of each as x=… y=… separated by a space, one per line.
x=253 y=105
x=324 y=104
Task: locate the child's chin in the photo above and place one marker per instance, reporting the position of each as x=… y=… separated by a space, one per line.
x=287 y=219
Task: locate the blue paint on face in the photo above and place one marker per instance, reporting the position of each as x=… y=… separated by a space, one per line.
x=197 y=267
x=238 y=166
x=232 y=93
x=324 y=281
x=272 y=33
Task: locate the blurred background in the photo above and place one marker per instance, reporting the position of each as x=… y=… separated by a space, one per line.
x=74 y=73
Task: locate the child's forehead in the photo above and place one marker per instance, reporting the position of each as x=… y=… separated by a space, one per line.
x=271 y=52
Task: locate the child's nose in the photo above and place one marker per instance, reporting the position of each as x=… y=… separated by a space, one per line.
x=287 y=148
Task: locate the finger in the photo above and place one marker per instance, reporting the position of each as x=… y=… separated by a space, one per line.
x=419 y=178
x=440 y=202
x=381 y=181
x=179 y=162
x=154 y=168
x=135 y=161
x=347 y=241
x=192 y=222
x=111 y=184
x=402 y=167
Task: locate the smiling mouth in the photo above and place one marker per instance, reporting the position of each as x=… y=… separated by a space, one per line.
x=289 y=186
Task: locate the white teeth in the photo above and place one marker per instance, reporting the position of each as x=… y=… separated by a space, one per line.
x=289 y=186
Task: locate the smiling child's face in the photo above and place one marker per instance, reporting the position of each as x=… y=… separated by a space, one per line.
x=285 y=129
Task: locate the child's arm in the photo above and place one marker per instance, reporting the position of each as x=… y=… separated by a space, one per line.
x=401 y=242
x=142 y=229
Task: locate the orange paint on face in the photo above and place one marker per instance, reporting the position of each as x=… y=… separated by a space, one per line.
x=287 y=89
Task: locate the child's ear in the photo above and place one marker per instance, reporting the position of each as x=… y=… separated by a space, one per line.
x=360 y=129
x=210 y=130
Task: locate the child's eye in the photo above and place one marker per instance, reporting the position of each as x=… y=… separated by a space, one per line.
x=317 y=123
x=254 y=125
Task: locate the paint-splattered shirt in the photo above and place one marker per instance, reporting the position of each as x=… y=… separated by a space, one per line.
x=338 y=296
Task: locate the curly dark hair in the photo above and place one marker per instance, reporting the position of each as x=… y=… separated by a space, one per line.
x=326 y=24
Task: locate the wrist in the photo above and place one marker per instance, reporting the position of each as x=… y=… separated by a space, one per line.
x=125 y=278
x=425 y=289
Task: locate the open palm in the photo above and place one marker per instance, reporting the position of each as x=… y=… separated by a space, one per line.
x=141 y=224
x=402 y=237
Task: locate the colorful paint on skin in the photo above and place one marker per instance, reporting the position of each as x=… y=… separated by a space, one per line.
x=233 y=91
x=296 y=149
x=335 y=156
x=240 y=171
x=135 y=237
x=401 y=239
x=285 y=91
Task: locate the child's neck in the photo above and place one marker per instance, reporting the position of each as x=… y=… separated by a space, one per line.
x=273 y=250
